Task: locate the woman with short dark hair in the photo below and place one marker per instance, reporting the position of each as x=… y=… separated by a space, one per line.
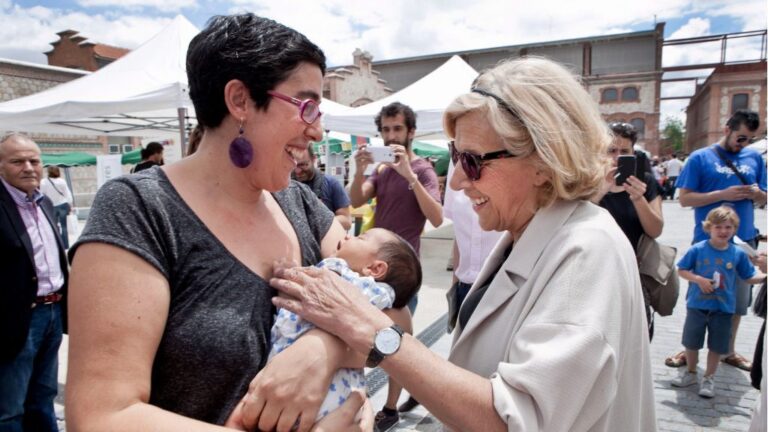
x=170 y=304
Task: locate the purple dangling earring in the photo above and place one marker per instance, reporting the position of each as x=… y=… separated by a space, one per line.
x=240 y=150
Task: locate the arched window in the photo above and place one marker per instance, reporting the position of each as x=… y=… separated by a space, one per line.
x=609 y=95
x=739 y=101
x=639 y=125
x=629 y=94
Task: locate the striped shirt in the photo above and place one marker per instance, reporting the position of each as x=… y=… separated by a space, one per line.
x=45 y=250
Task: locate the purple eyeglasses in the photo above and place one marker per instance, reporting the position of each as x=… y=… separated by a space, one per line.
x=309 y=109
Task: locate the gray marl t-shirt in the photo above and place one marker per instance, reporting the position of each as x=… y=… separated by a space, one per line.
x=217 y=335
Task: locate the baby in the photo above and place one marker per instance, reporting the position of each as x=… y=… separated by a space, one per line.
x=385 y=268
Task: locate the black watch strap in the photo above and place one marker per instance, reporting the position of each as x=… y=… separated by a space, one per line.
x=375 y=356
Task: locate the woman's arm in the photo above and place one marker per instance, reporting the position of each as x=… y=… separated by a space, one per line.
x=278 y=396
x=118 y=306
x=427 y=376
x=649 y=212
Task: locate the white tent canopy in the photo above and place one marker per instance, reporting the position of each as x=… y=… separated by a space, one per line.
x=428 y=97
x=123 y=98
x=139 y=94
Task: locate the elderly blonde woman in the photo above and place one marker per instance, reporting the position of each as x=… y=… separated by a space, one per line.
x=552 y=335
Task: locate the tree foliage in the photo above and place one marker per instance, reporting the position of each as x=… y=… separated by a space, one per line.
x=674 y=134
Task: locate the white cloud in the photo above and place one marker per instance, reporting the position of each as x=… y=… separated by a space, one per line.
x=409 y=28
x=27 y=33
x=160 y=5
x=397 y=28
x=693 y=28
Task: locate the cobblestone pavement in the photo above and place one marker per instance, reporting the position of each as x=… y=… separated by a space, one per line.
x=677 y=410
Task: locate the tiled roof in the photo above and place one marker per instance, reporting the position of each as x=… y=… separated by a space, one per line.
x=108 y=51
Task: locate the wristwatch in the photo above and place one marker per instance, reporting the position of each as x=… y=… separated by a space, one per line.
x=385 y=343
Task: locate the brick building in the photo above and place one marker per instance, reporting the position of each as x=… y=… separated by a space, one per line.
x=622 y=73
x=73 y=51
x=356 y=84
x=730 y=87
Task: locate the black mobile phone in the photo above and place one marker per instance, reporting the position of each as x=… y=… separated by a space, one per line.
x=625 y=168
x=642 y=164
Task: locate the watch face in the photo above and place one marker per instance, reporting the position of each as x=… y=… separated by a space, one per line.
x=387 y=341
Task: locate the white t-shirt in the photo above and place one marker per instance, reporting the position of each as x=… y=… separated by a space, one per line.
x=674 y=166
x=56 y=189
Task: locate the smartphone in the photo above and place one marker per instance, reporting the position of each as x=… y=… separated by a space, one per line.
x=626 y=167
x=641 y=164
x=381 y=154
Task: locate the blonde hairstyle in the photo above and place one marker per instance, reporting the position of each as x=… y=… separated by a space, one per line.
x=720 y=215
x=556 y=122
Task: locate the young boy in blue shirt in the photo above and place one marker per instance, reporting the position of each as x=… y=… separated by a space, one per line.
x=712 y=266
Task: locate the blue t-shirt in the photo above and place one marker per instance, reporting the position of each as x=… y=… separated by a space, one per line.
x=704 y=260
x=334 y=195
x=704 y=172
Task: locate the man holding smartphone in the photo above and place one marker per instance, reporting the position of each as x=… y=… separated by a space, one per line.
x=406 y=190
x=632 y=195
x=727 y=173
x=407 y=195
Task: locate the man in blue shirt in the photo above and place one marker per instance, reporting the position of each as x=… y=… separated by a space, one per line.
x=727 y=173
x=327 y=188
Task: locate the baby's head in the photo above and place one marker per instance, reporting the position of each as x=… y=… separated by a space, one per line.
x=387 y=258
x=721 y=222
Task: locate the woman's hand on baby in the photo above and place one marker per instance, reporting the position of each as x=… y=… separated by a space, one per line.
x=289 y=389
x=323 y=298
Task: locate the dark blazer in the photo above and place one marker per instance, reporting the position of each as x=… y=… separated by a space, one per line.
x=18 y=278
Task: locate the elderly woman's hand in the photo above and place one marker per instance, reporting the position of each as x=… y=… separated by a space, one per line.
x=323 y=298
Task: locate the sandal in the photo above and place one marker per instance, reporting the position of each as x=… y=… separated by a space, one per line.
x=676 y=360
x=736 y=360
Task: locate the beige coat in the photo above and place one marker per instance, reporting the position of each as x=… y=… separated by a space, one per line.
x=561 y=331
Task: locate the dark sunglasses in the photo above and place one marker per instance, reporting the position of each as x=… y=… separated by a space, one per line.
x=472 y=164
x=741 y=139
x=624 y=130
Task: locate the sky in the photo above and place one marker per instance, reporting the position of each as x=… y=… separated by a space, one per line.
x=400 y=28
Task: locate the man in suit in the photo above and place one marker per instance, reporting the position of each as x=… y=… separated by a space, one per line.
x=34 y=280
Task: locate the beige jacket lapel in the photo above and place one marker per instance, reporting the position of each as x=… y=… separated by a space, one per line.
x=516 y=270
